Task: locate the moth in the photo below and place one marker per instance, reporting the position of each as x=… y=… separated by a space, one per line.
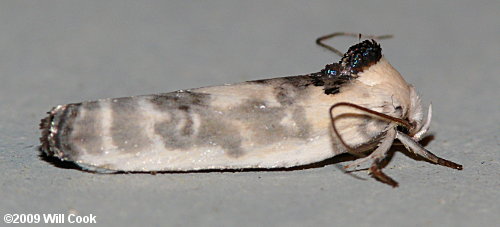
x=358 y=105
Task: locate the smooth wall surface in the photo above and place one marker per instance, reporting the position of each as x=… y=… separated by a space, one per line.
x=57 y=52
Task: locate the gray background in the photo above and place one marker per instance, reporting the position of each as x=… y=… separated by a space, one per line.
x=57 y=52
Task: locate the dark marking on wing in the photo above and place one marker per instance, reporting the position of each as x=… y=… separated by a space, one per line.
x=87 y=133
x=126 y=128
x=188 y=124
x=64 y=129
x=223 y=128
x=215 y=129
x=62 y=120
x=182 y=97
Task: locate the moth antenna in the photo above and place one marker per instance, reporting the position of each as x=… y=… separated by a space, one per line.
x=320 y=40
x=378 y=114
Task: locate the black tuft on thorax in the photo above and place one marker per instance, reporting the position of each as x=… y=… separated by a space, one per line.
x=361 y=56
x=357 y=59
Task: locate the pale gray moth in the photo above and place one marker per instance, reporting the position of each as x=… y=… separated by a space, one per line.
x=273 y=123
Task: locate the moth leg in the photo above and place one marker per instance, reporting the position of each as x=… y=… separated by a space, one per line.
x=376 y=171
x=417 y=149
x=379 y=153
